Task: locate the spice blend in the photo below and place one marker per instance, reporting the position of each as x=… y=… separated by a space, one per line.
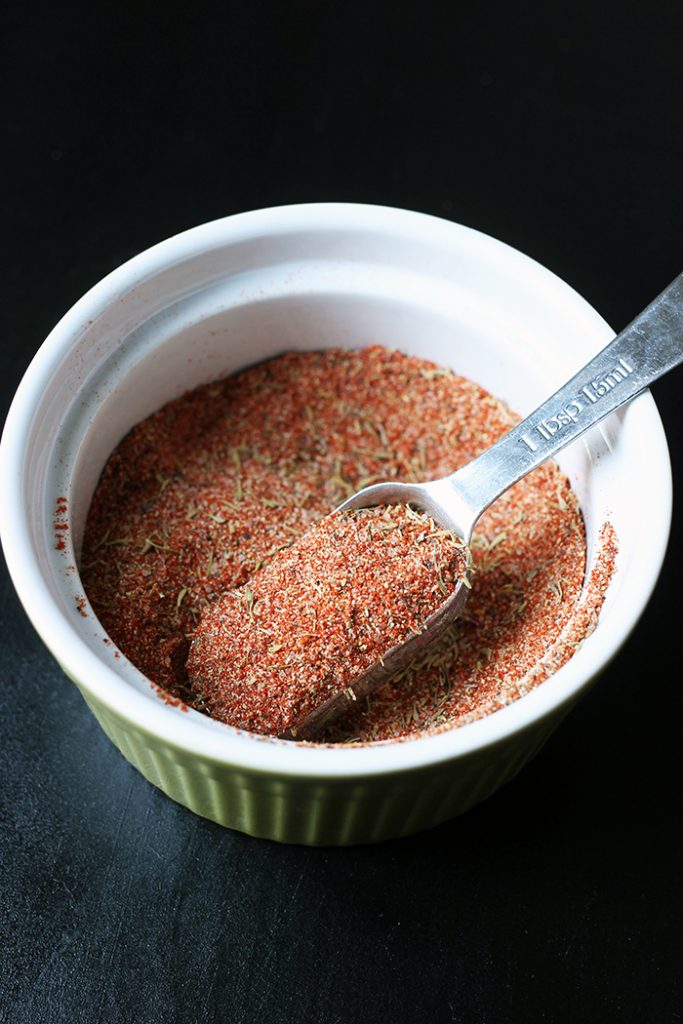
x=204 y=493
x=320 y=614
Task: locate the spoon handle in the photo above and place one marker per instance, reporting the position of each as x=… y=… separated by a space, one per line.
x=648 y=348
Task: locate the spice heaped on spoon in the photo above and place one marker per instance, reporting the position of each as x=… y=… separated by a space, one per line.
x=281 y=654
x=296 y=695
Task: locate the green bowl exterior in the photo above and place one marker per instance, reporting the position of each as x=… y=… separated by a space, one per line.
x=319 y=811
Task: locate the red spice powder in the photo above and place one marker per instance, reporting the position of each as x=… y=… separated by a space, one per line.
x=60 y=527
x=268 y=655
x=206 y=491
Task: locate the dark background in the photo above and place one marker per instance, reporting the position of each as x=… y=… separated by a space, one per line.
x=557 y=129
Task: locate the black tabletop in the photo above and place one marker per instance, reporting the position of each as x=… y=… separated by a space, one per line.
x=558 y=131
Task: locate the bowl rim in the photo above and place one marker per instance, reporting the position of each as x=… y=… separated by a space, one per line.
x=222 y=745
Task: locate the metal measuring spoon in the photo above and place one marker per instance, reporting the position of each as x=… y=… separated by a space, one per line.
x=648 y=348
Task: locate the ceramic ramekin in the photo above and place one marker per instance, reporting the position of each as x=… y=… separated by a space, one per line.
x=238 y=290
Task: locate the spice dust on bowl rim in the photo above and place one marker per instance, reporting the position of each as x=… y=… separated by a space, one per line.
x=236 y=291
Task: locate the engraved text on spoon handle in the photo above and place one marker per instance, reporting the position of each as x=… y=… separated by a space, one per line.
x=648 y=348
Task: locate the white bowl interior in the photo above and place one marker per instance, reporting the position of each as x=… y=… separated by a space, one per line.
x=238 y=291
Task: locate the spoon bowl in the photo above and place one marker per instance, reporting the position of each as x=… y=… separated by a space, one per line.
x=426 y=498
